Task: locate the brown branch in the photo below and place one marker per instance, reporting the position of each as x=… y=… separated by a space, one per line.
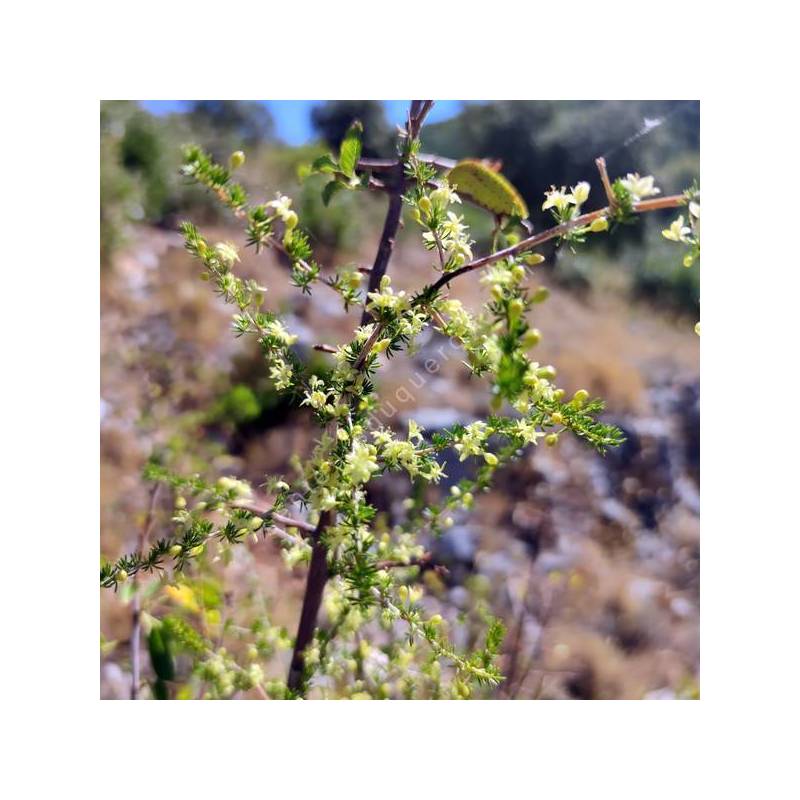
x=373 y=337
x=425 y=561
x=601 y=168
x=386 y=245
x=324 y=348
x=282 y=518
x=672 y=201
x=136 y=613
x=395 y=184
x=386 y=164
x=318 y=570
x=312 y=599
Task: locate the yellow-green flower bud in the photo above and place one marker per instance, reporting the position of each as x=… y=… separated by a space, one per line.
x=290 y=220
x=518 y=272
x=551 y=440
x=436 y=620
x=557 y=418
x=497 y=292
x=599 y=225
x=548 y=372
x=122 y=576
x=531 y=338
x=175 y=550
x=425 y=205
x=195 y=552
x=533 y=259
x=697 y=328
x=540 y=295
x=688 y=260
x=237 y=159
x=180 y=502
x=515 y=308
x=580 y=397
x=255 y=523
x=490 y=459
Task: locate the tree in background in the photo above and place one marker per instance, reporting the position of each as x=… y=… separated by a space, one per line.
x=332 y=120
x=246 y=120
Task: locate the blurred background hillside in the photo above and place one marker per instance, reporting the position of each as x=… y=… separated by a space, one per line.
x=593 y=562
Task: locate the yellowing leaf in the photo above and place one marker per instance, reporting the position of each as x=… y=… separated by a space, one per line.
x=485 y=187
x=213 y=617
x=184 y=596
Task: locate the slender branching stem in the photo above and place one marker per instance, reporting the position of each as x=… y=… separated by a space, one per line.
x=672 y=201
x=601 y=168
x=318 y=570
x=136 y=603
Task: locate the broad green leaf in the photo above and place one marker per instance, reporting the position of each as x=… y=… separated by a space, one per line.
x=324 y=164
x=487 y=188
x=331 y=188
x=350 y=150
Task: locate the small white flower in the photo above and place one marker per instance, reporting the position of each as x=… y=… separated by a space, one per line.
x=527 y=431
x=361 y=463
x=556 y=198
x=677 y=231
x=281 y=373
x=580 y=192
x=282 y=205
x=227 y=253
x=640 y=186
x=452 y=227
x=444 y=196
x=472 y=441
x=276 y=329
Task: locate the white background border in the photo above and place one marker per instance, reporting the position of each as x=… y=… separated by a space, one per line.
x=59 y=60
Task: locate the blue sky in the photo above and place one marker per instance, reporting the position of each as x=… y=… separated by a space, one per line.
x=293 y=117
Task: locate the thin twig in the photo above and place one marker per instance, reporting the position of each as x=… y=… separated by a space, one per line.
x=601 y=167
x=425 y=561
x=672 y=201
x=136 y=612
x=365 y=350
x=386 y=164
x=282 y=518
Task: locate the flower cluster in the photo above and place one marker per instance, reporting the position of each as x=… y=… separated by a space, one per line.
x=386 y=300
x=566 y=205
x=687 y=231
x=445 y=231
